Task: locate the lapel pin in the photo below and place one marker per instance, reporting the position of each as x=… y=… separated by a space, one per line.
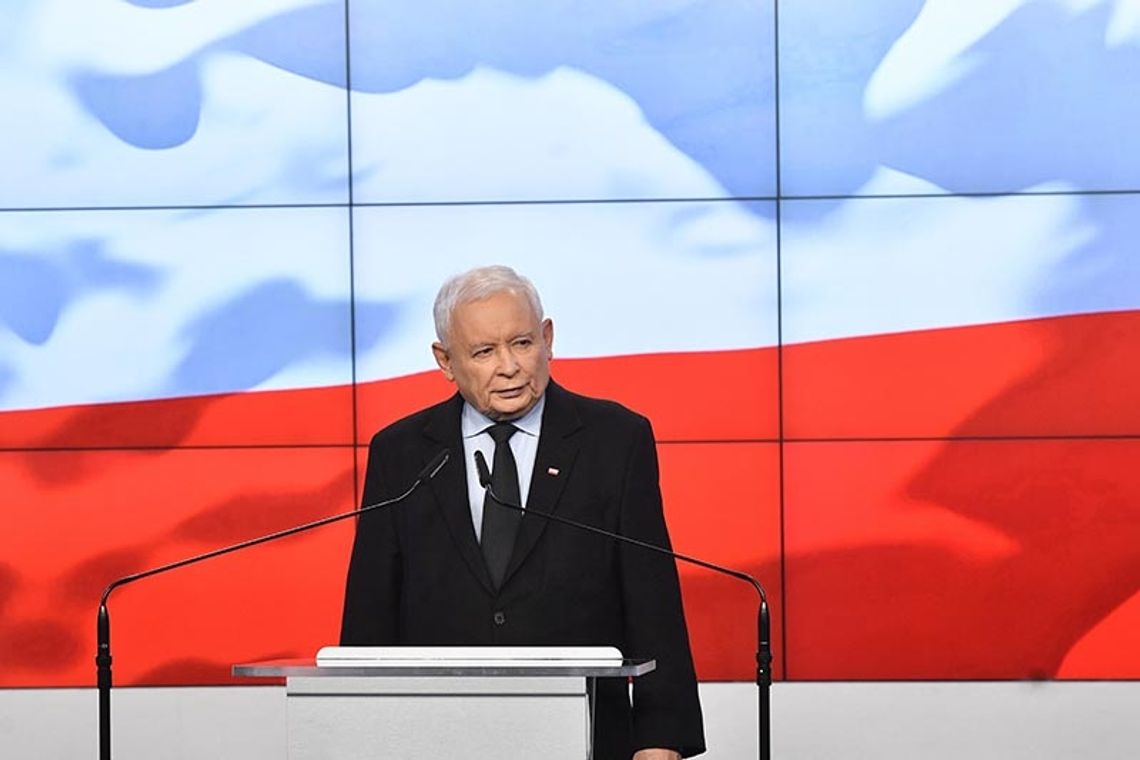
x=552 y=471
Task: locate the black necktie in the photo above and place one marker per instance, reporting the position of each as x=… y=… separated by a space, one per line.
x=500 y=525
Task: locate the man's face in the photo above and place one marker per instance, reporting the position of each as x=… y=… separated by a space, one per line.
x=498 y=355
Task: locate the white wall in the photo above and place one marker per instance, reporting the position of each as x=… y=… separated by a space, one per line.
x=885 y=721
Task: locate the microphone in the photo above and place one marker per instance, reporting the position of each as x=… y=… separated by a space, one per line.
x=484 y=473
x=103 y=626
x=430 y=470
x=763 y=619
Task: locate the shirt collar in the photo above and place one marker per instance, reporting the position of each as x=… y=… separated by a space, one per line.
x=473 y=422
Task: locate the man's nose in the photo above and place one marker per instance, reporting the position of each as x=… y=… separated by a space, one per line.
x=508 y=362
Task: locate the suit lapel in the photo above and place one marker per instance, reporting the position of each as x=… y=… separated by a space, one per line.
x=450 y=487
x=553 y=464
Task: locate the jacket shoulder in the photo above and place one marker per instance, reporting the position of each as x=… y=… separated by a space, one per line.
x=415 y=423
x=605 y=413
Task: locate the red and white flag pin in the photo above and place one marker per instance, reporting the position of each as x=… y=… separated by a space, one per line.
x=552 y=471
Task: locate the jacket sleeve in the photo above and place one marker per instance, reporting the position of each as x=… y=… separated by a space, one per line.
x=666 y=706
x=372 y=596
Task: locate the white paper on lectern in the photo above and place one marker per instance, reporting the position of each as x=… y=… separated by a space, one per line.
x=418 y=657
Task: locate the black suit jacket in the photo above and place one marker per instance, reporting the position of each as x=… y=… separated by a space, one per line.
x=417 y=575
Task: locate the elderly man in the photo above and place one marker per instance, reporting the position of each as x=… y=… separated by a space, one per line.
x=444 y=570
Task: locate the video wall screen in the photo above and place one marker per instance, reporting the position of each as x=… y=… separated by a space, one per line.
x=870 y=270
x=920 y=97
x=570 y=101
x=960 y=559
x=1010 y=315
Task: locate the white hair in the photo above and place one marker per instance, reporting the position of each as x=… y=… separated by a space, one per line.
x=475 y=285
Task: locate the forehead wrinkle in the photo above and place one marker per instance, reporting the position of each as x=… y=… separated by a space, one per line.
x=466 y=330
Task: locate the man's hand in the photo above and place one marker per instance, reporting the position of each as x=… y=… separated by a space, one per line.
x=656 y=754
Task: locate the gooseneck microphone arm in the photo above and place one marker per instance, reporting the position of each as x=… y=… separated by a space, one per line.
x=103 y=626
x=763 y=619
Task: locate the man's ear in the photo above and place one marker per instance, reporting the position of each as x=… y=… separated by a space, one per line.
x=443 y=360
x=548 y=336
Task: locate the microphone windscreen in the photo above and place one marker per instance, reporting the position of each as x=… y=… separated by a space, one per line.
x=434 y=466
x=483 y=470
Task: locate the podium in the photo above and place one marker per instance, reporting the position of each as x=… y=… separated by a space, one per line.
x=353 y=703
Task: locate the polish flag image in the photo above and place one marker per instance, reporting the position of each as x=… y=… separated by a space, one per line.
x=890 y=357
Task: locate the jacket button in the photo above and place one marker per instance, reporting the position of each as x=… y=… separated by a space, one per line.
x=500 y=618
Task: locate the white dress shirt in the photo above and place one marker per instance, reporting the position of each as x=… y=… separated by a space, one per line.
x=524 y=445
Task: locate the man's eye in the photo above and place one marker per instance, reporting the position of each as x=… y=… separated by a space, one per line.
x=482 y=352
x=523 y=342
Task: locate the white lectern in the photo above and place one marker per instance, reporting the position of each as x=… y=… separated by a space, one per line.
x=354 y=703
